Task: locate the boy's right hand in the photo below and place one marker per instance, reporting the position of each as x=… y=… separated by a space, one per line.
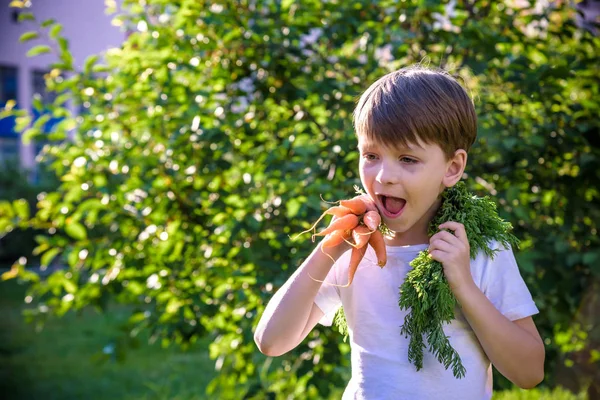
x=345 y=218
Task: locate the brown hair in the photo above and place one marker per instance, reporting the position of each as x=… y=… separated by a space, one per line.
x=417 y=103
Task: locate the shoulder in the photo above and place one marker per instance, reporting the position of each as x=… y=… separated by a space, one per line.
x=497 y=251
x=499 y=278
x=486 y=266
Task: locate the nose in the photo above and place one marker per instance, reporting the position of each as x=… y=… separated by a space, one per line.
x=387 y=174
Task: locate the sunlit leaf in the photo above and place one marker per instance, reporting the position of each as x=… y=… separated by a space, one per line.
x=39 y=49
x=21 y=207
x=28 y=36
x=55 y=31
x=76 y=231
x=48 y=256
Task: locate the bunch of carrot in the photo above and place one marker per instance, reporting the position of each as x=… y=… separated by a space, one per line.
x=356 y=223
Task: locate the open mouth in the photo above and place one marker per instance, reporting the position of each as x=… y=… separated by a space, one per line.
x=392 y=206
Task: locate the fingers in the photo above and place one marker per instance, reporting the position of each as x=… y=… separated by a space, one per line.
x=444 y=241
x=440 y=245
x=457 y=227
x=445 y=236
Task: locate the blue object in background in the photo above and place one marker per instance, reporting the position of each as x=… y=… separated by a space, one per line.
x=8 y=91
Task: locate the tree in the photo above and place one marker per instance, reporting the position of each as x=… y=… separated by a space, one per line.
x=208 y=137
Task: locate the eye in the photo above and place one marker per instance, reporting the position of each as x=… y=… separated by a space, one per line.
x=369 y=157
x=408 y=160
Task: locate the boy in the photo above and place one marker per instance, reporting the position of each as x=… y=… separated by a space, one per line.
x=414 y=128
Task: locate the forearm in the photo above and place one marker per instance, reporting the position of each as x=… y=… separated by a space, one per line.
x=284 y=319
x=517 y=353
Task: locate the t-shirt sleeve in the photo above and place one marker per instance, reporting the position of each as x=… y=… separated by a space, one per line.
x=328 y=297
x=504 y=286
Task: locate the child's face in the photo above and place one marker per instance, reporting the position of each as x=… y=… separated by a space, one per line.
x=405 y=184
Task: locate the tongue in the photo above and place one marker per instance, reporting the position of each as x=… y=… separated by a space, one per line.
x=393 y=204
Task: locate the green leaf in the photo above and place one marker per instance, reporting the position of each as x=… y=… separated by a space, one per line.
x=26 y=16
x=67 y=59
x=48 y=256
x=55 y=31
x=21 y=207
x=286 y=4
x=14 y=271
x=22 y=122
x=30 y=134
x=89 y=63
x=10 y=104
x=36 y=102
x=293 y=207
x=76 y=231
x=28 y=36
x=46 y=23
x=40 y=49
x=69 y=286
x=6 y=209
x=63 y=44
x=73 y=258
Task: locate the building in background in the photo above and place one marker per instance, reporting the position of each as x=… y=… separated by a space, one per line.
x=88 y=30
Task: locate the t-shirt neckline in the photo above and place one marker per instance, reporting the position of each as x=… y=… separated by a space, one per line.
x=406 y=249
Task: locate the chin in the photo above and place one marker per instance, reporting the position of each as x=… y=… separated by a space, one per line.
x=397 y=227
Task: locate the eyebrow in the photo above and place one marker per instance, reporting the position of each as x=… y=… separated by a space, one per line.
x=370 y=146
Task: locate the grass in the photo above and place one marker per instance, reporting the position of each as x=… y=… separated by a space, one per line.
x=60 y=362
x=539 y=394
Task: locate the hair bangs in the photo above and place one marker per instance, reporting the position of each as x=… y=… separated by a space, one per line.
x=414 y=106
x=389 y=121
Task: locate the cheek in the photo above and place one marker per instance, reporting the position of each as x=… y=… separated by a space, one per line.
x=362 y=171
x=426 y=190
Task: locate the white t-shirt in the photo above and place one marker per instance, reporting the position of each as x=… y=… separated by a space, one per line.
x=379 y=356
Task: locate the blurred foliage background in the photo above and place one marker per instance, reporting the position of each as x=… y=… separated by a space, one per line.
x=206 y=140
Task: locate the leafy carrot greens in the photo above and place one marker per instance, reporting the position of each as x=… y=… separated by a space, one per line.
x=425 y=292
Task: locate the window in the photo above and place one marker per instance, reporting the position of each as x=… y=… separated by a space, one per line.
x=9 y=150
x=8 y=91
x=9 y=140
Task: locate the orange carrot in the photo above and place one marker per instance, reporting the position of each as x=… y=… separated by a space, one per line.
x=335 y=238
x=361 y=235
x=372 y=219
x=357 y=205
x=337 y=212
x=370 y=204
x=376 y=241
x=355 y=258
x=344 y=223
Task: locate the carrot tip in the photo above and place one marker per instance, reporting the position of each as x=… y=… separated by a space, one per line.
x=300 y=234
x=328 y=283
x=313 y=227
x=316 y=280
x=351 y=243
x=327 y=254
x=328 y=202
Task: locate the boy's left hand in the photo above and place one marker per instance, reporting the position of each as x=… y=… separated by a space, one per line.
x=453 y=251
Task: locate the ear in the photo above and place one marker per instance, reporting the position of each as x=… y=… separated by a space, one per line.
x=455 y=168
